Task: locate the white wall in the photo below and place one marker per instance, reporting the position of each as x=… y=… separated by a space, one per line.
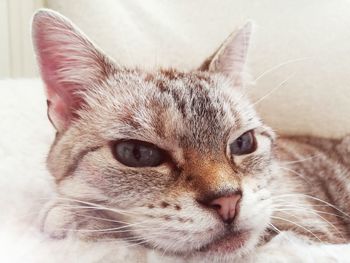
x=16 y=55
x=300 y=48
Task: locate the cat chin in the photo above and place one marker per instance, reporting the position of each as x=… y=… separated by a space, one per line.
x=227 y=249
x=227 y=254
x=228 y=244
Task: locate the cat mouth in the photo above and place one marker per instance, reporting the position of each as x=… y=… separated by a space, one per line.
x=227 y=243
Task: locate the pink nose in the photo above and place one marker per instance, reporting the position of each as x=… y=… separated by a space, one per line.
x=226 y=206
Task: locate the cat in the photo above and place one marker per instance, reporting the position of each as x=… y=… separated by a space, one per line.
x=179 y=163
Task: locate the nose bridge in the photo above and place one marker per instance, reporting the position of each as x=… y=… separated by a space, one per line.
x=209 y=175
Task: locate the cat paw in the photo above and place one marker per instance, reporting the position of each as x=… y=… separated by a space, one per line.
x=57 y=221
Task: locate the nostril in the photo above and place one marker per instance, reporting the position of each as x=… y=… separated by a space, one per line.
x=227 y=206
x=215 y=206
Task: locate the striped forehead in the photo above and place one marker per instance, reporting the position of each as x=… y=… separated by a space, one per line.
x=206 y=115
x=195 y=110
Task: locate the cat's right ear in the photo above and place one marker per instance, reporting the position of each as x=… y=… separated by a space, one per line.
x=69 y=64
x=230 y=58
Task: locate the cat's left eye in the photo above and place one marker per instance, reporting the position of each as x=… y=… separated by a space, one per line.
x=244 y=144
x=135 y=153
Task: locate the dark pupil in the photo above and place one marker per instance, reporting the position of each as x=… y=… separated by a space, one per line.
x=240 y=142
x=245 y=144
x=138 y=154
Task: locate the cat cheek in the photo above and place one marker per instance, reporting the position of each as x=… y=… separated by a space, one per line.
x=84 y=183
x=263 y=144
x=255 y=206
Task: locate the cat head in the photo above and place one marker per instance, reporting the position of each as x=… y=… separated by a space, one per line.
x=174 y=161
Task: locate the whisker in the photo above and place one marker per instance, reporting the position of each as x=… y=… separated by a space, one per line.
x=298 y=225
x=136 y=244
x=282 y=201
x=296 y=173
x=316 y=199
x=280 y=65
x=173 y=245
x=142 y=225
x=273 y=89
x=302 y=160
x=311 y=211
x=307 y=209
x=116 y=210
x=121 y=229
x=275 y=228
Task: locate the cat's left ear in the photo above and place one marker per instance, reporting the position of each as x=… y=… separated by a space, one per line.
x=230 y=58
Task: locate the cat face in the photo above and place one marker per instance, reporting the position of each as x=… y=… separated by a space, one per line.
x=174 y=161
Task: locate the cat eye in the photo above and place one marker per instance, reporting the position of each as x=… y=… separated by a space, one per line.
x=135 y=153
x=244 y=144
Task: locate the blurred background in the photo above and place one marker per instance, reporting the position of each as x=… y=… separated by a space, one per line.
x=16 y=56
x=299 y=57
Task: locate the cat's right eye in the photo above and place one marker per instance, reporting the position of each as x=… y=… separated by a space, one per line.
x=135 y=153
x=244 y=144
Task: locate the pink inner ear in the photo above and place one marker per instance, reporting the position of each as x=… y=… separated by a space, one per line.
x=62 y=105
x=62 y=95
x=69 y=64
x=56 y=63
x=65 y=65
